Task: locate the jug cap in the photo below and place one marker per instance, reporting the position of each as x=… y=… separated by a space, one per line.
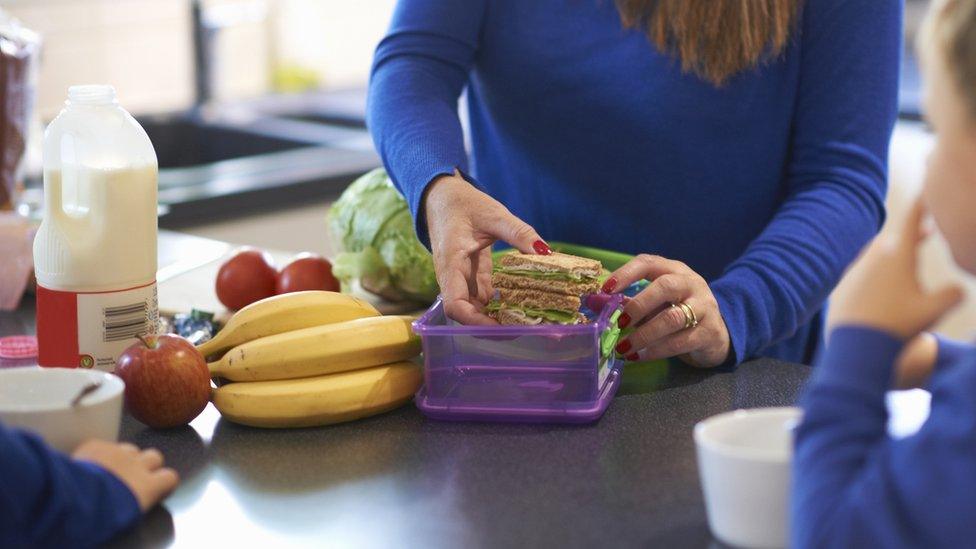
x=92 y=94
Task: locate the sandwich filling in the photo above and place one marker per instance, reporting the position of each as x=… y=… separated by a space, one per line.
x=535 y=316
x=534 y=289
x=547 y=275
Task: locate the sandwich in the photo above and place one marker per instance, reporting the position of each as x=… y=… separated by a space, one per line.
x=542 y=289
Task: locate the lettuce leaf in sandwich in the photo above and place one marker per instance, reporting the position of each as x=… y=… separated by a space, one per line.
x=551 y=315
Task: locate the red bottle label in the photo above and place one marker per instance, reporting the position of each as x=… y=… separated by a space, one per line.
x=90 y=330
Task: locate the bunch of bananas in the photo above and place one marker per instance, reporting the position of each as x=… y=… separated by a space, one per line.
x=312 y=358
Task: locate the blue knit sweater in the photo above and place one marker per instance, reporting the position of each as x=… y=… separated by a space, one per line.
x=768 y=186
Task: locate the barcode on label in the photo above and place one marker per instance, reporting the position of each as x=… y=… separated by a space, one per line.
x=124 y=321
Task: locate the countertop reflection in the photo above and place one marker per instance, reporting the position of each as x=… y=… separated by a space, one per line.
x=400 y=480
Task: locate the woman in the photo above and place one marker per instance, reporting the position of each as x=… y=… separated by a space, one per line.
x=740 y=145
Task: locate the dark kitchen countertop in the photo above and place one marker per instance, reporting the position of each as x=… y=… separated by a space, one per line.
x=400 y=480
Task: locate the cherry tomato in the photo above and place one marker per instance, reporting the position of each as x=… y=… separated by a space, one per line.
x=246 y=277
x=307 y=272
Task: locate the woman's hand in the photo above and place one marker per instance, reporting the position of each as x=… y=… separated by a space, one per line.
x=661 y=329
x=882 y=289
x=141 y=471
x=463 y=223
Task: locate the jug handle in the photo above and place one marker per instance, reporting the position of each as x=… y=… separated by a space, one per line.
x=84 y=223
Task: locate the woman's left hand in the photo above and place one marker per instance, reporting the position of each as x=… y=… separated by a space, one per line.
x=664 y=330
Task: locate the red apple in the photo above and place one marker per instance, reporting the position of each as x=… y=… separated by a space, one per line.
x=306 y=272
x=167 y=382
x=246 y=277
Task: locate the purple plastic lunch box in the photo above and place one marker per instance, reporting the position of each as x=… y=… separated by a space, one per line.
x=546 y=373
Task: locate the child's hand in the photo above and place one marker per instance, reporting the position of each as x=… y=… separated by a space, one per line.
x=882 y=290
x=142 y=471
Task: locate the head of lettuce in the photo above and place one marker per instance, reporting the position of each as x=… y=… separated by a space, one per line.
x=373 y=230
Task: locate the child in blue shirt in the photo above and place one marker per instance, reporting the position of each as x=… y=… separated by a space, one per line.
x=48 y=499
x=854 y=486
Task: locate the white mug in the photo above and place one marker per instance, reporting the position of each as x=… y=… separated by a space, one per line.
x=744 y=460
x=39 y=400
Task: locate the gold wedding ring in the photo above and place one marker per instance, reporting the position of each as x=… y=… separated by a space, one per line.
x=690 y=319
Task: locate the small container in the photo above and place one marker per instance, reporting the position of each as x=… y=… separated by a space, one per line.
x=546 y=373
x=40 y=400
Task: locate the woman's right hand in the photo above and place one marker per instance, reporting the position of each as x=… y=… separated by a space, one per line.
x=463 y=223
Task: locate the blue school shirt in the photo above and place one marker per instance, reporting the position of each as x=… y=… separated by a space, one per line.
x=50 y=500
x=853 y=485
x=767 y=187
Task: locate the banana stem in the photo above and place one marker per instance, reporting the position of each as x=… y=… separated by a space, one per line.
x=207 y=347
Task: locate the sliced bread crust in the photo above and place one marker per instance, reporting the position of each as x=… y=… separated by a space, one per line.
x=554 y=263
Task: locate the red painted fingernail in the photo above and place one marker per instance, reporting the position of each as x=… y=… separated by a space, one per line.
x=541 y=248
x=632 y=357
x=624 y=347
x=623 y=321
x=610 y=285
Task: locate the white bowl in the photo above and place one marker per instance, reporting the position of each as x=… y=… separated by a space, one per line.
x=39 y=400
x=744 y=460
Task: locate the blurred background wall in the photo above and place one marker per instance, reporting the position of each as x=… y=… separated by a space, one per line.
x=144 y=47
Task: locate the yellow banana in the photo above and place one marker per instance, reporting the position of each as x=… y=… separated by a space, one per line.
x=321 y=400
x=285 y=313
x=340 y=347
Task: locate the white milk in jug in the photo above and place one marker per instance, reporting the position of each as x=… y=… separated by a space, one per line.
x=95 y=251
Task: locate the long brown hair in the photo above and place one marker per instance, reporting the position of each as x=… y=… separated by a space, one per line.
x=715 y=39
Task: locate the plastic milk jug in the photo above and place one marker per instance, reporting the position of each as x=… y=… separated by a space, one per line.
x=95 y=251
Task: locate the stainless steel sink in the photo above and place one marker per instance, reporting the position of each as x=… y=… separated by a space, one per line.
x=225 y=162
x=342 y=107
x=221 y=159
x=183 y=141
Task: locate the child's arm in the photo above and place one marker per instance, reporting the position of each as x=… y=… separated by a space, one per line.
x=854 y=486
x=951 y=351
x=49 y=499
